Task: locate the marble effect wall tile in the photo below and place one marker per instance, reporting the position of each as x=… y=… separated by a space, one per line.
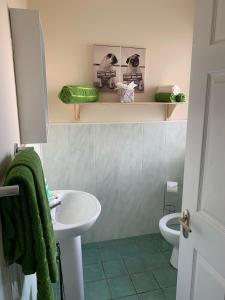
x=175 y=154
x=118 y=173
x=69 y=158
x=124 y=165
x=153 y=175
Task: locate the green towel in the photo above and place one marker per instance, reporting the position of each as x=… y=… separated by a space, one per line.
x=78 y=94
x=180 y=97
x=165 y=97
x=28 y=237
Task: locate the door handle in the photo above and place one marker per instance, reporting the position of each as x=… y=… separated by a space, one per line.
x=184 y=221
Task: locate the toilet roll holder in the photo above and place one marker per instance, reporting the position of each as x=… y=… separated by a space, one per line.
x=167 y=208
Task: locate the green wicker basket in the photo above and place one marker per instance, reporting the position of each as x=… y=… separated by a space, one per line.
x=70 y=94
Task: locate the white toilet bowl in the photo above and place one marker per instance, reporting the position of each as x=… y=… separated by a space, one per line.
x=171 y=235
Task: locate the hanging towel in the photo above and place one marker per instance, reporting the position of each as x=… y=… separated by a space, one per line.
x=169 y=89
x=165 y=97
x=78 y=94
x=180 y=97
x=28 y=237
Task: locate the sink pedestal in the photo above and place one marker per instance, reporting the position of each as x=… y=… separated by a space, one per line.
x=72 y=269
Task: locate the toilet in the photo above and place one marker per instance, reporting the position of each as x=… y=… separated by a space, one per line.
x=170 y=230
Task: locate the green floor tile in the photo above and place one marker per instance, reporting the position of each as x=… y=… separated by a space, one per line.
x=165 y=246
x=114 y=268
x=121 y=286
x=145 y=257
x=150 y=245
x=97 y=290
x=152 y=236
x=133 y=297
x=128 y=250
x=125 y=242
x=90 y=256
x=167 y=254
x=166 y=277
x=135 y=265
x=142 y=237
x=170 y=293
x=109 y=254
x=106 y=244
x=93 y=272
x=156 y=236
x=89 y=246
x=149 y=237
x=156 y=261
x=155 y=295
x=144 y=282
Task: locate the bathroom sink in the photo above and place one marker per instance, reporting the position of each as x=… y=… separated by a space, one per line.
x=77 y=212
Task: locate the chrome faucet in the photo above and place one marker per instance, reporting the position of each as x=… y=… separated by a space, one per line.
x=54 y=203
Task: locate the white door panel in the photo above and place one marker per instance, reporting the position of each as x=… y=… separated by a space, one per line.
x=201 y=270
x=213 y=170
x=207 y=283
x=218 y=29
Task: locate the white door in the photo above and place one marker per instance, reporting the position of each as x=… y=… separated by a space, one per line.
x=201 y=274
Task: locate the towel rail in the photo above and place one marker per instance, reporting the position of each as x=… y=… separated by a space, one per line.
x=12 y=190
x=18 y=148
x=7 y=191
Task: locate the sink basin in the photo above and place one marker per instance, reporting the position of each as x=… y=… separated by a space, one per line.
x=76 y=214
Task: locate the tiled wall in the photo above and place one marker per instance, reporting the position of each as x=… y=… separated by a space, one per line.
x=124 y=165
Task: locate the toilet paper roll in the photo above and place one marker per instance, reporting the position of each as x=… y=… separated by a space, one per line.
x=172 y=186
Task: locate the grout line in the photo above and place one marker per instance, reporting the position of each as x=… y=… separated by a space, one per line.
x=121 y=258
x=95 y=163
x=130 y=276
x=142 y=145
x=108 y=285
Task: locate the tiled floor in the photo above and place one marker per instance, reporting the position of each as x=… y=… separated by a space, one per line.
x=129 y=269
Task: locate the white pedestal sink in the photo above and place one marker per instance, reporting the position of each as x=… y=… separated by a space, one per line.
x=76 y=214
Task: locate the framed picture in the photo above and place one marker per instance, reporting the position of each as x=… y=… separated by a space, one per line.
x=112 y=64
x=133 y=67
x=106 y=64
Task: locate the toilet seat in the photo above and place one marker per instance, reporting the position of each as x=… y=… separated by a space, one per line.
x=164 y=221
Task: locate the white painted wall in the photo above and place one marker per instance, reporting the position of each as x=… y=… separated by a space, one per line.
x=17 y=3
x=9 y=134
x=9 y=128
x=163 y=27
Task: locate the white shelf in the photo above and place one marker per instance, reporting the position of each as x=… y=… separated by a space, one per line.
x=132 y=103
x=169 y=106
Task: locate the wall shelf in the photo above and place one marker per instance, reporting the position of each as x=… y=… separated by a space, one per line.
x=169 y=107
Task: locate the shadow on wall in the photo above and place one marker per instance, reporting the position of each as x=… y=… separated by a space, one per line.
x=4 y=275
x=3 y=165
